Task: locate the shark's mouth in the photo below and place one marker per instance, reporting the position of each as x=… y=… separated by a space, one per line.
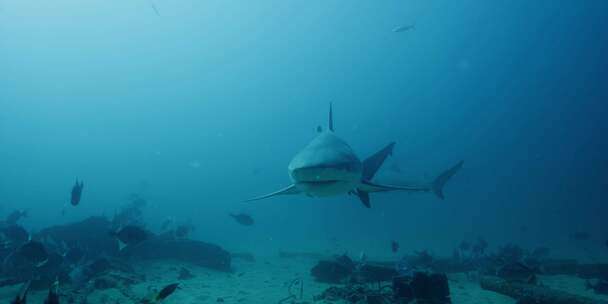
x=322 y=182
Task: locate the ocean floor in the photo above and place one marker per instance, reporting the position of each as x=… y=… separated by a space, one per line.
x=266 y=281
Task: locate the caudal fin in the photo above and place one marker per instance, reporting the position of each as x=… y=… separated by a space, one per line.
x=442 y=179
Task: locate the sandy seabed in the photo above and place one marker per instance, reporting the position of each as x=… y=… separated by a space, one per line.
x=266 y=281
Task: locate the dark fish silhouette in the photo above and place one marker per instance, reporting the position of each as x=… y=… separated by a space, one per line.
x=404 y=28
x=76 y=193
x=34 y=252
x=166 y=291
x=580 y=236
x=15 y=216
x=53 y=296
x=243 y=219
x=130 y=235
x=21 y=298
x=394 y=246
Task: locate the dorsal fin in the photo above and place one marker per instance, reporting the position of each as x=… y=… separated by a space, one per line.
x=331 y=118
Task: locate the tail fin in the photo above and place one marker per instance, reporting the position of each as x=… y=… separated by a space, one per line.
x=442 y=179
x=331 y=118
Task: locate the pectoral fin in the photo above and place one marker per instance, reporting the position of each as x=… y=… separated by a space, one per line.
x=368 y=186
x=291 y=189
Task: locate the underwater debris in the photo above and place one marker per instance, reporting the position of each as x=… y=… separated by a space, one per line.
x=421 y=288
x=357 y=294
x=343 y=269
x=333 y=271
x=13 y=236
x=190 y=251
x=294 y=286
x=76 y=193
x=90 y=235
x=130 y=235
x=536 y=294
x=431 y=288
x=35 y=252
x=419 y=261
x=517 y=272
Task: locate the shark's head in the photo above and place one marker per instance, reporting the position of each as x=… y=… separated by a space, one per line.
x=326 y=166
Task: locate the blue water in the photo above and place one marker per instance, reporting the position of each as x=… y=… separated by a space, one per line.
x=203 y=105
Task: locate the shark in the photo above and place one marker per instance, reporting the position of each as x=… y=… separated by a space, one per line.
x=328 y=166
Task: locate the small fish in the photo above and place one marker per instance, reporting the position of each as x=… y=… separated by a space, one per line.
x=53 y=296
x=405 y=28
x=130 y=235
x=394 y=246
x=580 y=236
x=166 y=291
x=21 y=298
x=76 y=193
x=243 y=219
